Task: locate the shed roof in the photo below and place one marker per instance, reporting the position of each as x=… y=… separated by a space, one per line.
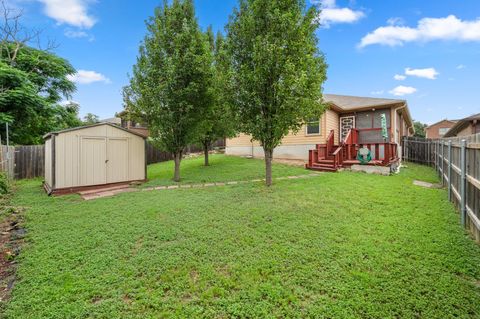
x=461 y=124
x=93 y=125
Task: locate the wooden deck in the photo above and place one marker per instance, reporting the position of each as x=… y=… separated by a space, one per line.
x=330 y=157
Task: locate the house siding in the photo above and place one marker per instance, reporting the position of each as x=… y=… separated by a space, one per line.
x=433 y=130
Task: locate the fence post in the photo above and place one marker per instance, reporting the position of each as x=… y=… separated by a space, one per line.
x=429 y=160
x=463 y=179
x=442 y=166
x=449 y=170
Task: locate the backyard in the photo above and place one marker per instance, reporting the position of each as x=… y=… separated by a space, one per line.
x=336 y=245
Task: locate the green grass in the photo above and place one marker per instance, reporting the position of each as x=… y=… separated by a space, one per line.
x=222 y=169
x=342 y=245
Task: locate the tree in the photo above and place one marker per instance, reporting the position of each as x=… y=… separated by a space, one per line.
x=32 y=82
x=419 y=129
x=278 y=70
x=218 y=121
x=170 y=85
x=90 y=119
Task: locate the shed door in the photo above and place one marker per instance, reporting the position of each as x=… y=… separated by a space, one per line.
x=93 y=161
x=117 y=160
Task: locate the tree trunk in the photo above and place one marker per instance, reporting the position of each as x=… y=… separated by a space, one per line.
x=205 y=151
x=268 y=166
x=178 y=159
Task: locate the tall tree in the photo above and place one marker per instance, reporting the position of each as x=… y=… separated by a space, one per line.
x=218 y=121
x=278 y=69
x=419 y=129
x=171 y=79
x=90 y=118
x=32 y=82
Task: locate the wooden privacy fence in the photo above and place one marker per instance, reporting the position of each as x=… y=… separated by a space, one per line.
x=7 y=163
x=457 y=162
x=21 y=162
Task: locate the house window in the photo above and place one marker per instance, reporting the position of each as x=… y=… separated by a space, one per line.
x=313 y=127
x=442 y=131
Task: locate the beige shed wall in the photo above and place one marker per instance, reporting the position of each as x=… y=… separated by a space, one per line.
x=48 y=162
x=68 y=150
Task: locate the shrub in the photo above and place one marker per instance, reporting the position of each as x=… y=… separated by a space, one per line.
x=4 y=184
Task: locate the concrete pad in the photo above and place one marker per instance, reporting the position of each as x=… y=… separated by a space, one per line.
x=426 y=184
x=370 y=169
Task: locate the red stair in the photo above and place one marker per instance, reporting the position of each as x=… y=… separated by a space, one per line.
x=330 y=157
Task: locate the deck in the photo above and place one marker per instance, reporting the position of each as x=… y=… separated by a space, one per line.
x=330 y=157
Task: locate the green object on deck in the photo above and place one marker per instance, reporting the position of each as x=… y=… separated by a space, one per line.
x=384 y=126
x=364 y=155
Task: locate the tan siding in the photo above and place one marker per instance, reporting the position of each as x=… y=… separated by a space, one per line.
x=328 y=122
x=332 y=123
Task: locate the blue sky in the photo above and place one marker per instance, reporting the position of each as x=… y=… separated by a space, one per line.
x=424 y=51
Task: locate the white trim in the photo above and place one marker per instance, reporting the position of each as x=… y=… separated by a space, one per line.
x=340 y=124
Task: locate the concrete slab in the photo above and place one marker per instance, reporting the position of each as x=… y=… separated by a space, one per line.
x=426 y=184
x=370 y=169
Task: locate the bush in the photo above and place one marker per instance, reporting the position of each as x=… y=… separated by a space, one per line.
x=4 y=184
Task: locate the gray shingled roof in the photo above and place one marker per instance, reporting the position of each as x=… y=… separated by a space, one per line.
x=461 y=124
x=350 y=103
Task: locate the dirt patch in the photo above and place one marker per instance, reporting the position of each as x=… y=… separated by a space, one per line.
x=12 y=236
x=291 y=162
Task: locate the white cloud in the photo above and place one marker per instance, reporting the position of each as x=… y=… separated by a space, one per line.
x=71 y=12
x=331 y=14
x=396 y=21
x=399 y=77
x=461 y=66
x=428 y=73
x=69 y=33
x=87 y=77
x=403 y=90
x=428 y=29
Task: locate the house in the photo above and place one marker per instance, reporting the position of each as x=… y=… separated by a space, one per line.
x=90 y=156
x=333 y=141
x=467 y=126
x=438 y=130
x=133 y=124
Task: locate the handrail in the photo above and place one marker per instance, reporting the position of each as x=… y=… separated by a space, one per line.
x=352 y=137
x=330 y=141
x=337 y=157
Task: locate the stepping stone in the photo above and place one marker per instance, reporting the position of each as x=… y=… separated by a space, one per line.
x=160 y=188
x=209 y=184
x=426 y=184
x=172 y=187
x=186 y=186
x=220 y=184
x=232 y=183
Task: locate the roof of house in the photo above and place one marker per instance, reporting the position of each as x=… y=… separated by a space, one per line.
x=354 y=103
x=461 y=124
x=444 y=120
x=93 y=125
x=348 y=103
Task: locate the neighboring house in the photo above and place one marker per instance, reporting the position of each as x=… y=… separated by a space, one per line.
x=349 y=123
x=134 y=126
x=467 y=126
x=439 y=129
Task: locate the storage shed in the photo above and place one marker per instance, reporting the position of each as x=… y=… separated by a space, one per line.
x=89 y=156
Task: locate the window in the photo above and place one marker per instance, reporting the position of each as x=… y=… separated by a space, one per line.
x=442 y=131
x=313 y=127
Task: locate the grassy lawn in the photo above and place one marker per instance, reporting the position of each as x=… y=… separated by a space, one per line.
x=341 y=245
x=222 y=169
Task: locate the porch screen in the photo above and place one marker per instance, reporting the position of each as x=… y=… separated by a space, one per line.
x=369 y=125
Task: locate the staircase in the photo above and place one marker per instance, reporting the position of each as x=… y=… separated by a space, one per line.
x=326 y=157
x=330 y=157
